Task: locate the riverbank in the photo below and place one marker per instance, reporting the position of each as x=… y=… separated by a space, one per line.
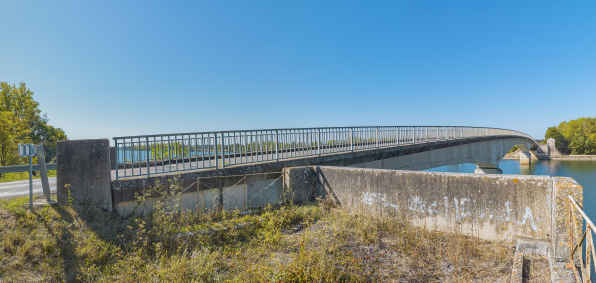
x=512 y=156
x=580 y=157
x=309 y=243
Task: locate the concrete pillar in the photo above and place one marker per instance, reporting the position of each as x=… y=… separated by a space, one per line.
x=488 y=169
x=83 y=172
x=563 y=188
x=551 y=146
x=525 y=158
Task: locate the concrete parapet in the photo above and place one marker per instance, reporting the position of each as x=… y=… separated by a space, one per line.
x=563 y=188
x=493 y=207
x=83 y=172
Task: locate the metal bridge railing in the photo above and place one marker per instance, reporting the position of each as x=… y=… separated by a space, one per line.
x=155 y=154
x=589 y=254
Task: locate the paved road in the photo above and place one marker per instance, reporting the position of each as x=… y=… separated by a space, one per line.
x=21 y=188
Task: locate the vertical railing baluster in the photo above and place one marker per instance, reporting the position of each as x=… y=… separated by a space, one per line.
x=147 y=151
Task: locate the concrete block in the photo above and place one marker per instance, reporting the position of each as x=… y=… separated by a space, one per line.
x=564 y=187
x=299 y=184
x=83 y=171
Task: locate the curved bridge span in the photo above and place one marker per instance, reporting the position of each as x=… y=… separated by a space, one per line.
x=253 y=151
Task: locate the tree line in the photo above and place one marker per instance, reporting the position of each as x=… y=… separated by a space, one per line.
x=21 y=121
x=574 y=137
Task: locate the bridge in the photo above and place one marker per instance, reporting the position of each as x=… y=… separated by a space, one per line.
x=248 y=169
x=142 y=162
x=395 y=147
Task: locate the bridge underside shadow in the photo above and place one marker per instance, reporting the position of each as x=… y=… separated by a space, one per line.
x=486 y=154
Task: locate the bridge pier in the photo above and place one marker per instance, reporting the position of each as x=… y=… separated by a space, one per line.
x=487 y=169
x=525 y=158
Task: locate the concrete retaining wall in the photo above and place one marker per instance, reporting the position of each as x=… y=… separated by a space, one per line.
x=493 y=207
x=205 y=193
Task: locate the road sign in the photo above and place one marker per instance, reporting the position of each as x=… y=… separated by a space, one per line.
x=26 y=150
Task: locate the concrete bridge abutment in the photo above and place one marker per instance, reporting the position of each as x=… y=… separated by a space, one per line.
x=525 y=158
x=487 y=169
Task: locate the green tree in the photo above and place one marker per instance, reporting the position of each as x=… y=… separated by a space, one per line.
x=22 y=122
x=576 y=136
x=560 y=142
x=12 y=132
x=46 y=135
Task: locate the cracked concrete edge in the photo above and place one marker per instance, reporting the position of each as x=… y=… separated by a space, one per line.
x=517 y=269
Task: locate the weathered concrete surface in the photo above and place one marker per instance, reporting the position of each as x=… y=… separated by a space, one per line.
x=525 y=158
x=83 y=171
x=552 y=150
x=480 y=150
x=564 y=187
x=542 y=152
x=206 y=193
x=492 y=207
x=517 y=269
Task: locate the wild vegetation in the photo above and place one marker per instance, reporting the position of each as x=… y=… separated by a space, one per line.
x=10 y=177
x=315 y=242
x=21 y=121
x=574 y=137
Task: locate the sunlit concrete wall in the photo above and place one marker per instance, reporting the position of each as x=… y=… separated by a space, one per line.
x=493 y=207
x=204 y=193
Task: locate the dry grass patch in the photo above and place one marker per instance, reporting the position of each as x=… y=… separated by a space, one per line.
x=308 y=243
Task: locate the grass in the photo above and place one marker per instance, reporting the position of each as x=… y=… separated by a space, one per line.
x=10 y=177
x=315 y=242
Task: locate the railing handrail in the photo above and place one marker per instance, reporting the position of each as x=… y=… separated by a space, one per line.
x=339 y=127
x=586 y=237
x=581 y=211
x=248 y=146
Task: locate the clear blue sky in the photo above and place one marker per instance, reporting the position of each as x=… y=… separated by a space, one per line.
x=111 y=68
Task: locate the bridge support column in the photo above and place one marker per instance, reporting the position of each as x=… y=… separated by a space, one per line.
x=525 y=158
x=487 y=169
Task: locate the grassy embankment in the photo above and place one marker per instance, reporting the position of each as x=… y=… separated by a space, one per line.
x=10 y=177
x=75 y=243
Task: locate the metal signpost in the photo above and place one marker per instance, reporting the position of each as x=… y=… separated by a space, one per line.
x=28 y=150
x=43 y=172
